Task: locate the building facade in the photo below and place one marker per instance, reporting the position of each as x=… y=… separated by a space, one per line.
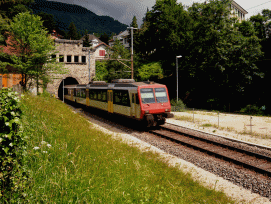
x=79 y=62
x=237 y=11
x=123 y=37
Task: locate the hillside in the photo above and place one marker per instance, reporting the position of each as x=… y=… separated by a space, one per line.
x=84 y=19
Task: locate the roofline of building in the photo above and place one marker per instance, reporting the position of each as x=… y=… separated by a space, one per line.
x=239 y=7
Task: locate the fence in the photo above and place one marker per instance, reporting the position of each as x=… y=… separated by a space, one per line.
x=239 y=122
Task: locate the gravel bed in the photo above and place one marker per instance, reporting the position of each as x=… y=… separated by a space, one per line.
x=210 y=172
x=247 y=179
x=244 y=146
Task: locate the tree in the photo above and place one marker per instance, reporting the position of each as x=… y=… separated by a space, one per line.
x=32 y=49
x=10 y=8
x=72 y=32
x=134 y=22
x=101 y=71
x=220 y=53
x=4 y=26
x=104 y=38
x=215 y=54
x=118 y=68
x=164 y=34
x=48 y=21
x=86 y=42
x=150 y=71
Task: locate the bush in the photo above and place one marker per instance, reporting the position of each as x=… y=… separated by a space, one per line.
x=252 y=109
x=177 y=105
x=13 y=176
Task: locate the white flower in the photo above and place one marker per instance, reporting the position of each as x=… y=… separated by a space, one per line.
x=10 y=144
x=44 y=151
x=43 y=142
x=48 y=145
x=35 y=148
x=1 y=140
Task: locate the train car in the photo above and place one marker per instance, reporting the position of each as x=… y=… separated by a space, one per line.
x=144 y=101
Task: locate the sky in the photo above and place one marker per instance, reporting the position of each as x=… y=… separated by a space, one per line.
x=125 y=10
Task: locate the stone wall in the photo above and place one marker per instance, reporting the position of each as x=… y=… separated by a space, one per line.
x=79 y=61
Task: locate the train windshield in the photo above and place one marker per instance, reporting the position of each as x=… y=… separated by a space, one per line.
x=147 y=95
x=161 y=95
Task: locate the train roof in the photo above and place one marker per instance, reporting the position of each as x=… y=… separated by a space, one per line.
x=116 y=84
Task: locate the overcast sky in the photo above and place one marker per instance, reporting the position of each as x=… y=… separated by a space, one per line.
x=124 y=10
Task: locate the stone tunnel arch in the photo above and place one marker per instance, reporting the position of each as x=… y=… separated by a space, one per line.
x=67 y=81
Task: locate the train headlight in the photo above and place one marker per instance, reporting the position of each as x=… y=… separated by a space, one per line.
x=167 y=110
x=146 y=112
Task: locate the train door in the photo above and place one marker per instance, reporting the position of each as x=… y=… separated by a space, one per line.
x=71 y=94
x=133 y=105
x=137 y=107
x=110 y=100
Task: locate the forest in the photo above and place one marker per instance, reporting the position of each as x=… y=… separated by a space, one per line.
x=225 y=64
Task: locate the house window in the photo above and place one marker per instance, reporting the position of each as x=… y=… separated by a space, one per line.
x=69 y=58
x=84 y=59
x=76 y=59
x=102 y=52
x=61 y=58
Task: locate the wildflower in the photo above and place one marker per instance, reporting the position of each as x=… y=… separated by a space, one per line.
x=35 y=148
x=1 y=140
x=48 y=145
x=44 y=152
x=43 y=142
x=10 y=144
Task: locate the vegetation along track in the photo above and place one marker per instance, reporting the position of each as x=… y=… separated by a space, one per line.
x=229 y=152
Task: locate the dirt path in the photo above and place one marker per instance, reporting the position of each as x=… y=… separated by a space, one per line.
x=231 y=125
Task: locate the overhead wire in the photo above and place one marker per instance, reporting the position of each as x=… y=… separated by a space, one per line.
x=260 y=4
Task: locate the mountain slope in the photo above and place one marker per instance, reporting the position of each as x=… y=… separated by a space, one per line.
x=64 y=14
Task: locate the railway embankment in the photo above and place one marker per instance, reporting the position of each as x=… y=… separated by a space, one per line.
x=254 y=129
x=71 y=160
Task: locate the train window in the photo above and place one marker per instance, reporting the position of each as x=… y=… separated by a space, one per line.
x=161 y=95
x=95 y=95
x=83 y=93
x=147 y=95
x=99 y=95
x=121 y=97
x=104 y=96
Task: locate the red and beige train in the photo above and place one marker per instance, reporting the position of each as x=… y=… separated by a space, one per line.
x=144 y=101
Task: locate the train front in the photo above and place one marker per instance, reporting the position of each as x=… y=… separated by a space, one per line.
x=155 y=104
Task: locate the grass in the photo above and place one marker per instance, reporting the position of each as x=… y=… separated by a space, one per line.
x=71 y=162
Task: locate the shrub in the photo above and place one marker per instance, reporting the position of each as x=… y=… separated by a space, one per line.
x=178 y=105
x=13 y=176
x=252 y=109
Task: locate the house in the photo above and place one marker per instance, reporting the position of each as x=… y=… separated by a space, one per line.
x=55 y=35
x=123 y=37
x=100 y=51
x=237 y=11
x=98 y=47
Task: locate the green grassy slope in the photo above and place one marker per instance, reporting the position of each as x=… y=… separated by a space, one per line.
x=71 y=162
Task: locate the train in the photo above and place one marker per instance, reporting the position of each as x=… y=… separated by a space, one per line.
x=147 y=101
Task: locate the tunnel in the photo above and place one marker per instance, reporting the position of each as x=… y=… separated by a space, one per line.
x=67 y=81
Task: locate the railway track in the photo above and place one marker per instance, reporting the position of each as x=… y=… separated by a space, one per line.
x=229 y=152
x=246 y=176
